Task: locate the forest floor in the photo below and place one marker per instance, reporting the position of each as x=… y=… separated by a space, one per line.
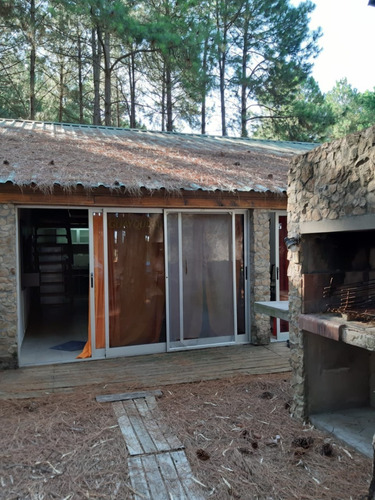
x=239 y=436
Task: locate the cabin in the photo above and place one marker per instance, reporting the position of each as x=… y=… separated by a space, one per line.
x=118 y=242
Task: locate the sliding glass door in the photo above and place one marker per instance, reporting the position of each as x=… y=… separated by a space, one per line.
x=138 y=308
x=206 y=278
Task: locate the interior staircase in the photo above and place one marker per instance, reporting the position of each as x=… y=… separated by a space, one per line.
x=54 y=257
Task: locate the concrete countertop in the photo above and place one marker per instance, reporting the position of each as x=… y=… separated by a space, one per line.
x=273 y=308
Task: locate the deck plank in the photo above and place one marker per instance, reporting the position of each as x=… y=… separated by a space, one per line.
x=131 y=438
x=151 y=422
x=185 y=474
x=172 y=440
x=158 y=490
x=173 y=483
x=139 y=427
x=138 y=478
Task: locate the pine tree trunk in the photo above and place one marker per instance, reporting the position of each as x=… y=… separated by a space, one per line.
x=118 y=114
x=96 y=56
x=32 y=60
x=133 y=122
x=222 y=94
x=168 y=88
x=80 y=82
x=163 y=102
x=61 y=91
x=244 y=85
x=107 y=81
x=204 y=87
x=222 y=67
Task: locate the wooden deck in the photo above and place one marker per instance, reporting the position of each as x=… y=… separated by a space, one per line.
x=127 y=374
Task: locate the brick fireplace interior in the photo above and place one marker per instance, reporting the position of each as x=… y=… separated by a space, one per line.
x=338 y=320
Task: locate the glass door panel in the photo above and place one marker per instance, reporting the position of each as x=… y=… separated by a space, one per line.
x=201 y=279
x=136 y=279
x=174 y=282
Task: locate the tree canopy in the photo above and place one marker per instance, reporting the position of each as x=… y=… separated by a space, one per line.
x=168 y=64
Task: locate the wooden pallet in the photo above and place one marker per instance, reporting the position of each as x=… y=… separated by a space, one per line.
x=158 y=466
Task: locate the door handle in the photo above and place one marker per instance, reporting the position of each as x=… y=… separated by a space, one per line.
x=92 y=280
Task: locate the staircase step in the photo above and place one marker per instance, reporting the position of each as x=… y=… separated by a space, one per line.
x=51 y=268
x=53 y=301
x=52 y=289
x=59 y=281
x=52 y=294
x=49 y=274
x=49 y=259
x=51 y=248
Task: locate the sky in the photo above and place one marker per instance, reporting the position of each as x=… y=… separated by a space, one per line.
x=347 y=43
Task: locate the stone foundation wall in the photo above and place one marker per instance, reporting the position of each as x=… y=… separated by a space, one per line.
x=260 y=274
x=8 y=288
x=329 y=183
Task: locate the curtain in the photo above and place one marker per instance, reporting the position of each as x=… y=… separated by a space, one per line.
x=207 y=275
x=218 y=275
x=136 y=278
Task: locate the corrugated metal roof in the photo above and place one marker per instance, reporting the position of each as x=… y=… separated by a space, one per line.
x=45 y=154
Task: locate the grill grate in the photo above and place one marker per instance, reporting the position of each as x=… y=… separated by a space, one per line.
x=356 y=300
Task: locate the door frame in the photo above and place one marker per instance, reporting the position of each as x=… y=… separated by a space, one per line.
x=95 y=353
x=238 y=338
x=21 y=330
x=280 y=336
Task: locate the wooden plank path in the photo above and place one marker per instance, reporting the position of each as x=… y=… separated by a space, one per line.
x=158 y=466
x=139 y=372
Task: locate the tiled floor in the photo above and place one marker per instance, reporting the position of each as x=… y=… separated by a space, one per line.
x=52 y=326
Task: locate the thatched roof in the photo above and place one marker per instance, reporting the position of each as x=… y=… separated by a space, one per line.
x=45 y=155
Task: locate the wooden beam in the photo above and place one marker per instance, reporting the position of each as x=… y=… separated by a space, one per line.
x=183 y=199
x=110 y=398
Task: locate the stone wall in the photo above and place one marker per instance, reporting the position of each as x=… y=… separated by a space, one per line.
x=8 y=288
x=332 y=182
x=260 y=274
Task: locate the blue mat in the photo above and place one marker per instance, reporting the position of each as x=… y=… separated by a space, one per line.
x=72 y=345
